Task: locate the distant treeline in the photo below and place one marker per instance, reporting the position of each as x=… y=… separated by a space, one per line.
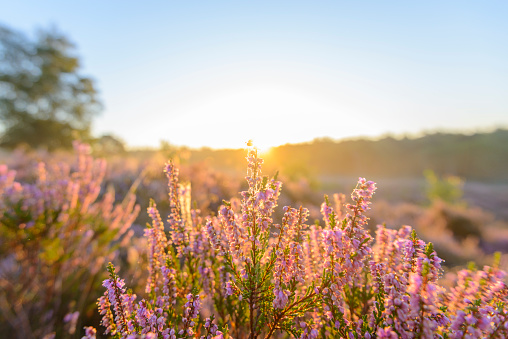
x=481 y=156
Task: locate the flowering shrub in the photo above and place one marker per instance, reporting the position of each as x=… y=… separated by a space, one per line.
x=55 y=235
x=241 y=274
x=459 y=234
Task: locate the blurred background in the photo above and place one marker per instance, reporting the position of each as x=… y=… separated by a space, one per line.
x=410 y=95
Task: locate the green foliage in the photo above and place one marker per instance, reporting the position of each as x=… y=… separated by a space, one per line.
x=447 y=189
x=44 y=101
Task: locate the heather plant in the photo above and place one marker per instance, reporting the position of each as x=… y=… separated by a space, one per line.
x=459 y=234
x=56 y=233
x=240 y=273
x=142 y=171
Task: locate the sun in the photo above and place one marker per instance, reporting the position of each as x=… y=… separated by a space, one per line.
x=263 y=148
x=271 y=114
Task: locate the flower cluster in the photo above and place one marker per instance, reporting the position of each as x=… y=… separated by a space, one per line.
x=57 y=228
x=177 y=264
x=240 y=274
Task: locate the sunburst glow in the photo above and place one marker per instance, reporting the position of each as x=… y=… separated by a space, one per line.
x=271 y=115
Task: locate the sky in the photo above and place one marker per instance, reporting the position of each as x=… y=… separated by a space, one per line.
x=218 y=73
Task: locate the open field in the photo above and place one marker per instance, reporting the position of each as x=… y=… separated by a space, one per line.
x=66 y=215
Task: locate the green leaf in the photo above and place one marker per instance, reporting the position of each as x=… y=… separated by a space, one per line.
x=52 y=250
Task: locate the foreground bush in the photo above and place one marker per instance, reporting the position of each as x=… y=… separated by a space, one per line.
x=55 y=236
x=239 y=274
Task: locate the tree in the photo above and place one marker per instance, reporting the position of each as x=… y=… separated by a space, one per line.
x=108 y=144
x=44 y=101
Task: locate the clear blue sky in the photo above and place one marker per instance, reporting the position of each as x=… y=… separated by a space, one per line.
x=217 y=73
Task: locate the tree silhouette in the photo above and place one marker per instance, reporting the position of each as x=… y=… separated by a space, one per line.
x=44 y=101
